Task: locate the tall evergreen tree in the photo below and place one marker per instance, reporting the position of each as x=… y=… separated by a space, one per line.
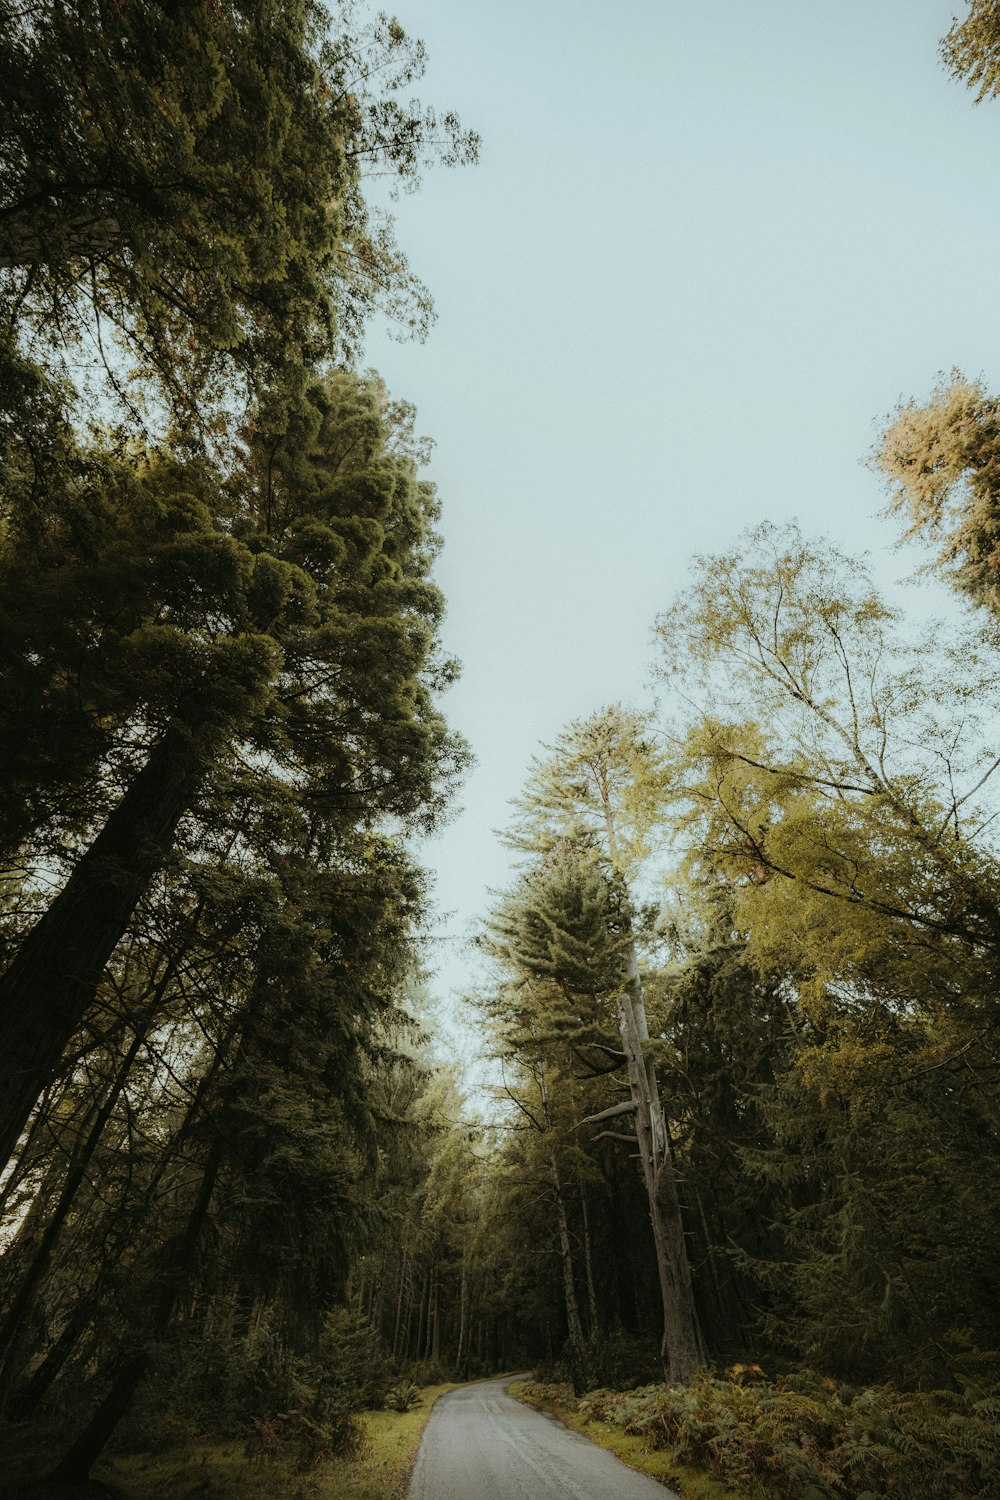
x=189 y=177
x=285 y=613
x=602 y=790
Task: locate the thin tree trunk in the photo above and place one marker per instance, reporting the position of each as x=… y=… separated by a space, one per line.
x=78 y=1170
x=588 y=1262
x=81 y=1159
x=421 y=1344
x=406 y=1332
x=20 y=1169
x=75 y=1467
x=25 y=1401
x=574 y=1327
x=436 y=1337
x=397 y=1326
x=46 y=991
x=461 y=1357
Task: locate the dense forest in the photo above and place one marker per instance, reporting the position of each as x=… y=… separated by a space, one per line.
x=738 y=1171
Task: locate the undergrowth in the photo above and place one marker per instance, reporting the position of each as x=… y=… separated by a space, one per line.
x=378 y=1467
x=804 y=1437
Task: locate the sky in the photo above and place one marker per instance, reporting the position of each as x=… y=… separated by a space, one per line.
x=706 y=251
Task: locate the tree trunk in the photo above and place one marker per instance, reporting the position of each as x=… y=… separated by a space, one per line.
x=574 y=1327
x=27 y=1397
x=399 y=1299
x=588 y=1262
x=436 y=1336
x=81 y=1158
x=75 y=1467
x=422 y=1317
x=79 y=1163
x=46 y=990
x=461 y=1357
x=24 y=1401
x=682 y=1348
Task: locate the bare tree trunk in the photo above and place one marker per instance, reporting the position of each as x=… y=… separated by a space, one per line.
x=682 y=1349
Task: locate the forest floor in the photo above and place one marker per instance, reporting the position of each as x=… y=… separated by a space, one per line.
x=379 y=1469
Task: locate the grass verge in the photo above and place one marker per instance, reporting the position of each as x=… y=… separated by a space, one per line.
x=636 y=1452
x=379 y=1470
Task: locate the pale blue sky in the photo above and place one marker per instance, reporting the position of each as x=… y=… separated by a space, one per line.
x=707 y=247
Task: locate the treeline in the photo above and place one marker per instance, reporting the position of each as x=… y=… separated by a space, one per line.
x=795 y=903
x=744 y=989
x=218 y=725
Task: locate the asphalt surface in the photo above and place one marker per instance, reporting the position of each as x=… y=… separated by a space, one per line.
x=481 y=1444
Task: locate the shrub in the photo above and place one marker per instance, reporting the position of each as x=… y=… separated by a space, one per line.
x=807 y=1438
x=403 y=1397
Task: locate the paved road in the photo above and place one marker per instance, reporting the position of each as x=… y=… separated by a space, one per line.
x=481 y=1444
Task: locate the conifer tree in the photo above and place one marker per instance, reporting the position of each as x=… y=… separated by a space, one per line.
x=287 y=612
x=601 y=791
x=190 y=177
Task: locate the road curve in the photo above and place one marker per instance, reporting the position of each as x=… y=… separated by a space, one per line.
x=481 y=1444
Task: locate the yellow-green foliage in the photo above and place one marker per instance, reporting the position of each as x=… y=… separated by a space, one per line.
x=638 y=1451
x=805 y=1438
x=379 y=1470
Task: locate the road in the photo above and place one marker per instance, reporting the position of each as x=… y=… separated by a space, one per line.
x=481 y=1444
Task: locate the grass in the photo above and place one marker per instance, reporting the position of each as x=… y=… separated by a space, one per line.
x=382 y=1471
x=379 y=1470
x=636 y=1452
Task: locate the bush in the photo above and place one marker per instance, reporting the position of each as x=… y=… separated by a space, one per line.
x=282 y=1404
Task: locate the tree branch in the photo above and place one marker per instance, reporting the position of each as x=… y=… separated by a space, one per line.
x=628 y=1108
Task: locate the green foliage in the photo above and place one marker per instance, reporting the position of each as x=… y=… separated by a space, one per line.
x=220 y=661
x=208 y=1385
x=190 y=178
x=889 y=1243
x=403 y=1396
x=805 y=1438
x=601 y=788
x=565 y=928
x=940 y=463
